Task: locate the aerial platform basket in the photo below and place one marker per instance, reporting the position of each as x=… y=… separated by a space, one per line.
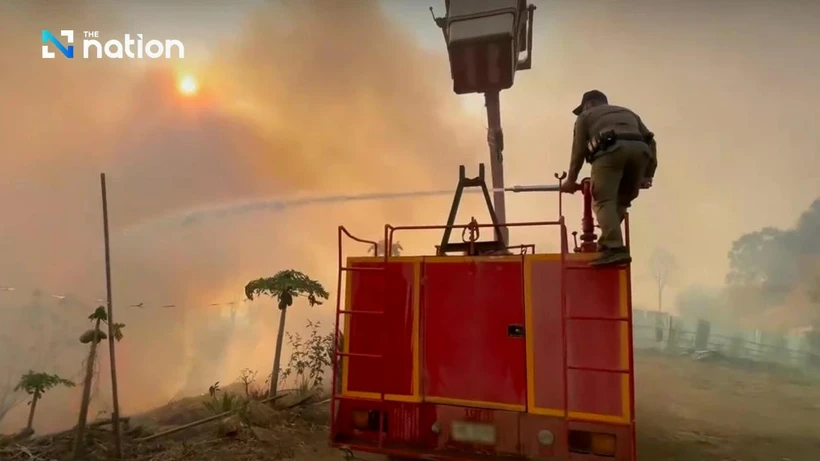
x=484 y=41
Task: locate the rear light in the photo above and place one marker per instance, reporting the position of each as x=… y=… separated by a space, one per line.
x=603 y=444
x=546 y=438
x=367 y=420
x=595 y=443
x=360 y=419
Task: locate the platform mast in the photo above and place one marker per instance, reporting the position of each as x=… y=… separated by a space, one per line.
x=485 y=40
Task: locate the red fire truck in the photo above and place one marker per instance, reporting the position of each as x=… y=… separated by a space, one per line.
x=485 y=350
x=482 y=354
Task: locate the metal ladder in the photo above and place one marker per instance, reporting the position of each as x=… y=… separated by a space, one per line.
x=338 y=352
x=565 y=319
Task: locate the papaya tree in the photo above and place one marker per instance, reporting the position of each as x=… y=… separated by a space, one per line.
x=35 y=385
x=93 y=337
x=285 y=286
x=378 y=250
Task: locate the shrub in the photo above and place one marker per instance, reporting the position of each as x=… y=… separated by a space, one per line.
x=309 y=358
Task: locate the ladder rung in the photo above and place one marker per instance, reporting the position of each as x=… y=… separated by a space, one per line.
x=345 y=312
x=602 y=370
x=361 y=269
x=356 y=354
x=586 y=317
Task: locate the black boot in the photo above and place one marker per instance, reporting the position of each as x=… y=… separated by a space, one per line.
x=612 y=256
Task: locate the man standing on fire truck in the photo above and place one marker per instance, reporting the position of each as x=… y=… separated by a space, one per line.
x=623 y=155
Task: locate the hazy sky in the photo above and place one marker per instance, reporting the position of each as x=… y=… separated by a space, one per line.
x=323 y=96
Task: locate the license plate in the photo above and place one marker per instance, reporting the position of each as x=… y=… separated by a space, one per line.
x=466 y=432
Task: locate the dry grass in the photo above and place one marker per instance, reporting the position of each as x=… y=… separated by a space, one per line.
x=687 y=411
x=265 y=433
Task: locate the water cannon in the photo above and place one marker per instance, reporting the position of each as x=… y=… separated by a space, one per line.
x=534 y=188
x=485 y=40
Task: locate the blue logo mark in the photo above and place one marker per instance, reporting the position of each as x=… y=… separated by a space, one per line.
x=67 y=51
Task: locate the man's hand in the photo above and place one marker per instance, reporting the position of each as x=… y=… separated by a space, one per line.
x=646 y=183
x=570 y=187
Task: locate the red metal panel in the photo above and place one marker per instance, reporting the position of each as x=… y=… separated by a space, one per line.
x=591 y=293
x=595 y=292
x=546 y=331
x=367 y=333
x=466 y=310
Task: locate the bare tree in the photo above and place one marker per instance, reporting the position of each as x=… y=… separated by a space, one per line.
x=662 y=266
x=246 y=377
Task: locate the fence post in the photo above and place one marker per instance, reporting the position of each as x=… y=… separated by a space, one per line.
x=702 y=335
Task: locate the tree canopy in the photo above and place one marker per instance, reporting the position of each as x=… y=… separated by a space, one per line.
x=101 y=315
x=776 y=259
x=286 y=285
x=770 y=268
x=38 y=383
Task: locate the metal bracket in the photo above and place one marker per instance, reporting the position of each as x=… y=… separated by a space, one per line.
x=526 y=63
x=471 y=247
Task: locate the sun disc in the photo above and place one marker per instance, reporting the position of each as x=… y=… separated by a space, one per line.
x=188 y=86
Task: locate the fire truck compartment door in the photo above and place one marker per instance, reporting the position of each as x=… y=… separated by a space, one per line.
x=473 y=335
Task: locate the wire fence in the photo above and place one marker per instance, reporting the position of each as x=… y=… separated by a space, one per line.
x=734 y=347
x=9 y=291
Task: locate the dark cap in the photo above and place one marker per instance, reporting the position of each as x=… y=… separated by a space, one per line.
x=592 y=95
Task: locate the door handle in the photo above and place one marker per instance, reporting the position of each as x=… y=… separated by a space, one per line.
x=515 y=331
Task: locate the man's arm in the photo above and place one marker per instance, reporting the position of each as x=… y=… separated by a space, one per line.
x=580 y=139
x=653 y=150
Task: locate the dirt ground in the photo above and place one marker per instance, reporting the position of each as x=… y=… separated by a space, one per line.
x=687 y=411
x=695 y=411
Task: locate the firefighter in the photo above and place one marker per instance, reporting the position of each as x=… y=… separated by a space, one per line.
x=623 y=156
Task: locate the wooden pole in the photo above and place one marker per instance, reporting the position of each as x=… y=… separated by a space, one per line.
x=174 y=430
x=495 y=140
x=115 y=416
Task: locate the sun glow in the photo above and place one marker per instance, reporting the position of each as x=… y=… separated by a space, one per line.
x=188 y=85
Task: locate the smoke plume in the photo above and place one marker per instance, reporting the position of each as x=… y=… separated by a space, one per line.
x=302 y=99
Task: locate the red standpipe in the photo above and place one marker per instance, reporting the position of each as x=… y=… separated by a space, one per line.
x=588 y=238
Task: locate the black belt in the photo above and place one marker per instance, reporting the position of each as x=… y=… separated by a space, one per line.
x=630 y=137
x=607 y=139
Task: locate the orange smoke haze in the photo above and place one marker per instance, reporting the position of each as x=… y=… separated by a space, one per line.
x=324 y=96
x=331 y=111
